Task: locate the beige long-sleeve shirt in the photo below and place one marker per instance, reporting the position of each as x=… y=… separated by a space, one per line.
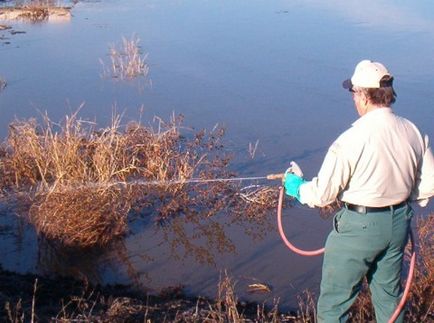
x=381 y=160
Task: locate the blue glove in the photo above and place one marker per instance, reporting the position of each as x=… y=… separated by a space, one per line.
x=292 y=184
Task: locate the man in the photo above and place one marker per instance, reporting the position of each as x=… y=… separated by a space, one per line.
x=374 y=168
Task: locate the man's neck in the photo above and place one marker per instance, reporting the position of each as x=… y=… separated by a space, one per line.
x=371 y=107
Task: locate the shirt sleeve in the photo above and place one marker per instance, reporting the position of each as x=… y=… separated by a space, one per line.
x=332 y=178
x=424 y=184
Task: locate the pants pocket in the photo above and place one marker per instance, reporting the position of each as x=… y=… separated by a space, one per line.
x=409 y=213
x=337 y=223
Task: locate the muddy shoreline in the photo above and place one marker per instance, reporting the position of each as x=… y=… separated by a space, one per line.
x=27 y=296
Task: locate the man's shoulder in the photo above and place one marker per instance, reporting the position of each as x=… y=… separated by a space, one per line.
x=355 y=133
x=348 y=140
x=411 y=125
x=404 y=119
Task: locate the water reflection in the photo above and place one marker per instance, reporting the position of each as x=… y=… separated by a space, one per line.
x=192 y=237
x=389 y=16
x=197 y=229
x=80 y=264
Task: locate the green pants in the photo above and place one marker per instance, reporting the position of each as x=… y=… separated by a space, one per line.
x=360 y=245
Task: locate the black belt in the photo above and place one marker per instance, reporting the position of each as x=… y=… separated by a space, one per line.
x=365 y=209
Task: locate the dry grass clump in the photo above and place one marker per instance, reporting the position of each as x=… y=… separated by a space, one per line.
x=83 y=182
x=31 y=13
x=83 y=217
x=227 y=307
x=50 y=156
x=126 y=60
x=421 y=305
x=306 y=312
x=35 y=11
x=227 y=301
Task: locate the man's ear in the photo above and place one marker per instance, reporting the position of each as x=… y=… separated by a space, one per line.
x=364 y=98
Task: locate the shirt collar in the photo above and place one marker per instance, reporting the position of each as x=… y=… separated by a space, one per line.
x=374 y=114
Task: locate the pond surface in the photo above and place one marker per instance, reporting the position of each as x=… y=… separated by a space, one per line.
x=269 y=71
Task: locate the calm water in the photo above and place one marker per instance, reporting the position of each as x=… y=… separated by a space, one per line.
x=266 y=70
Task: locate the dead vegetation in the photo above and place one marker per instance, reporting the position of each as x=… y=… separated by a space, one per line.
x=421 y=305
x=227 y=307
x=126 y=60
x=84 y=217
x=35 y=11
x=82 y=182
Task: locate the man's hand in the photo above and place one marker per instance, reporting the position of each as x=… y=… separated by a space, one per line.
x=292 y=183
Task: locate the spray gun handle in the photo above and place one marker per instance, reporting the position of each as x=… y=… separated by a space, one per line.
x=295 y=169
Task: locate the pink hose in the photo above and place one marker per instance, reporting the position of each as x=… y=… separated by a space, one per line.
x=320 y=251
x=407 y=284
x=283 y=236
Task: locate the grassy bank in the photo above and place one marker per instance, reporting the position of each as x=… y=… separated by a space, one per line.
x=26 y=298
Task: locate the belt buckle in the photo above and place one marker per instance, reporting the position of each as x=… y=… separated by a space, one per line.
x=361 y=209
x=357 y=208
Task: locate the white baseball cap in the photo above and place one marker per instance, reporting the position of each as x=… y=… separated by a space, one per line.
x=369 y=74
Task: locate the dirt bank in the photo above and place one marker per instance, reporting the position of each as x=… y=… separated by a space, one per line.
x=23 y=297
